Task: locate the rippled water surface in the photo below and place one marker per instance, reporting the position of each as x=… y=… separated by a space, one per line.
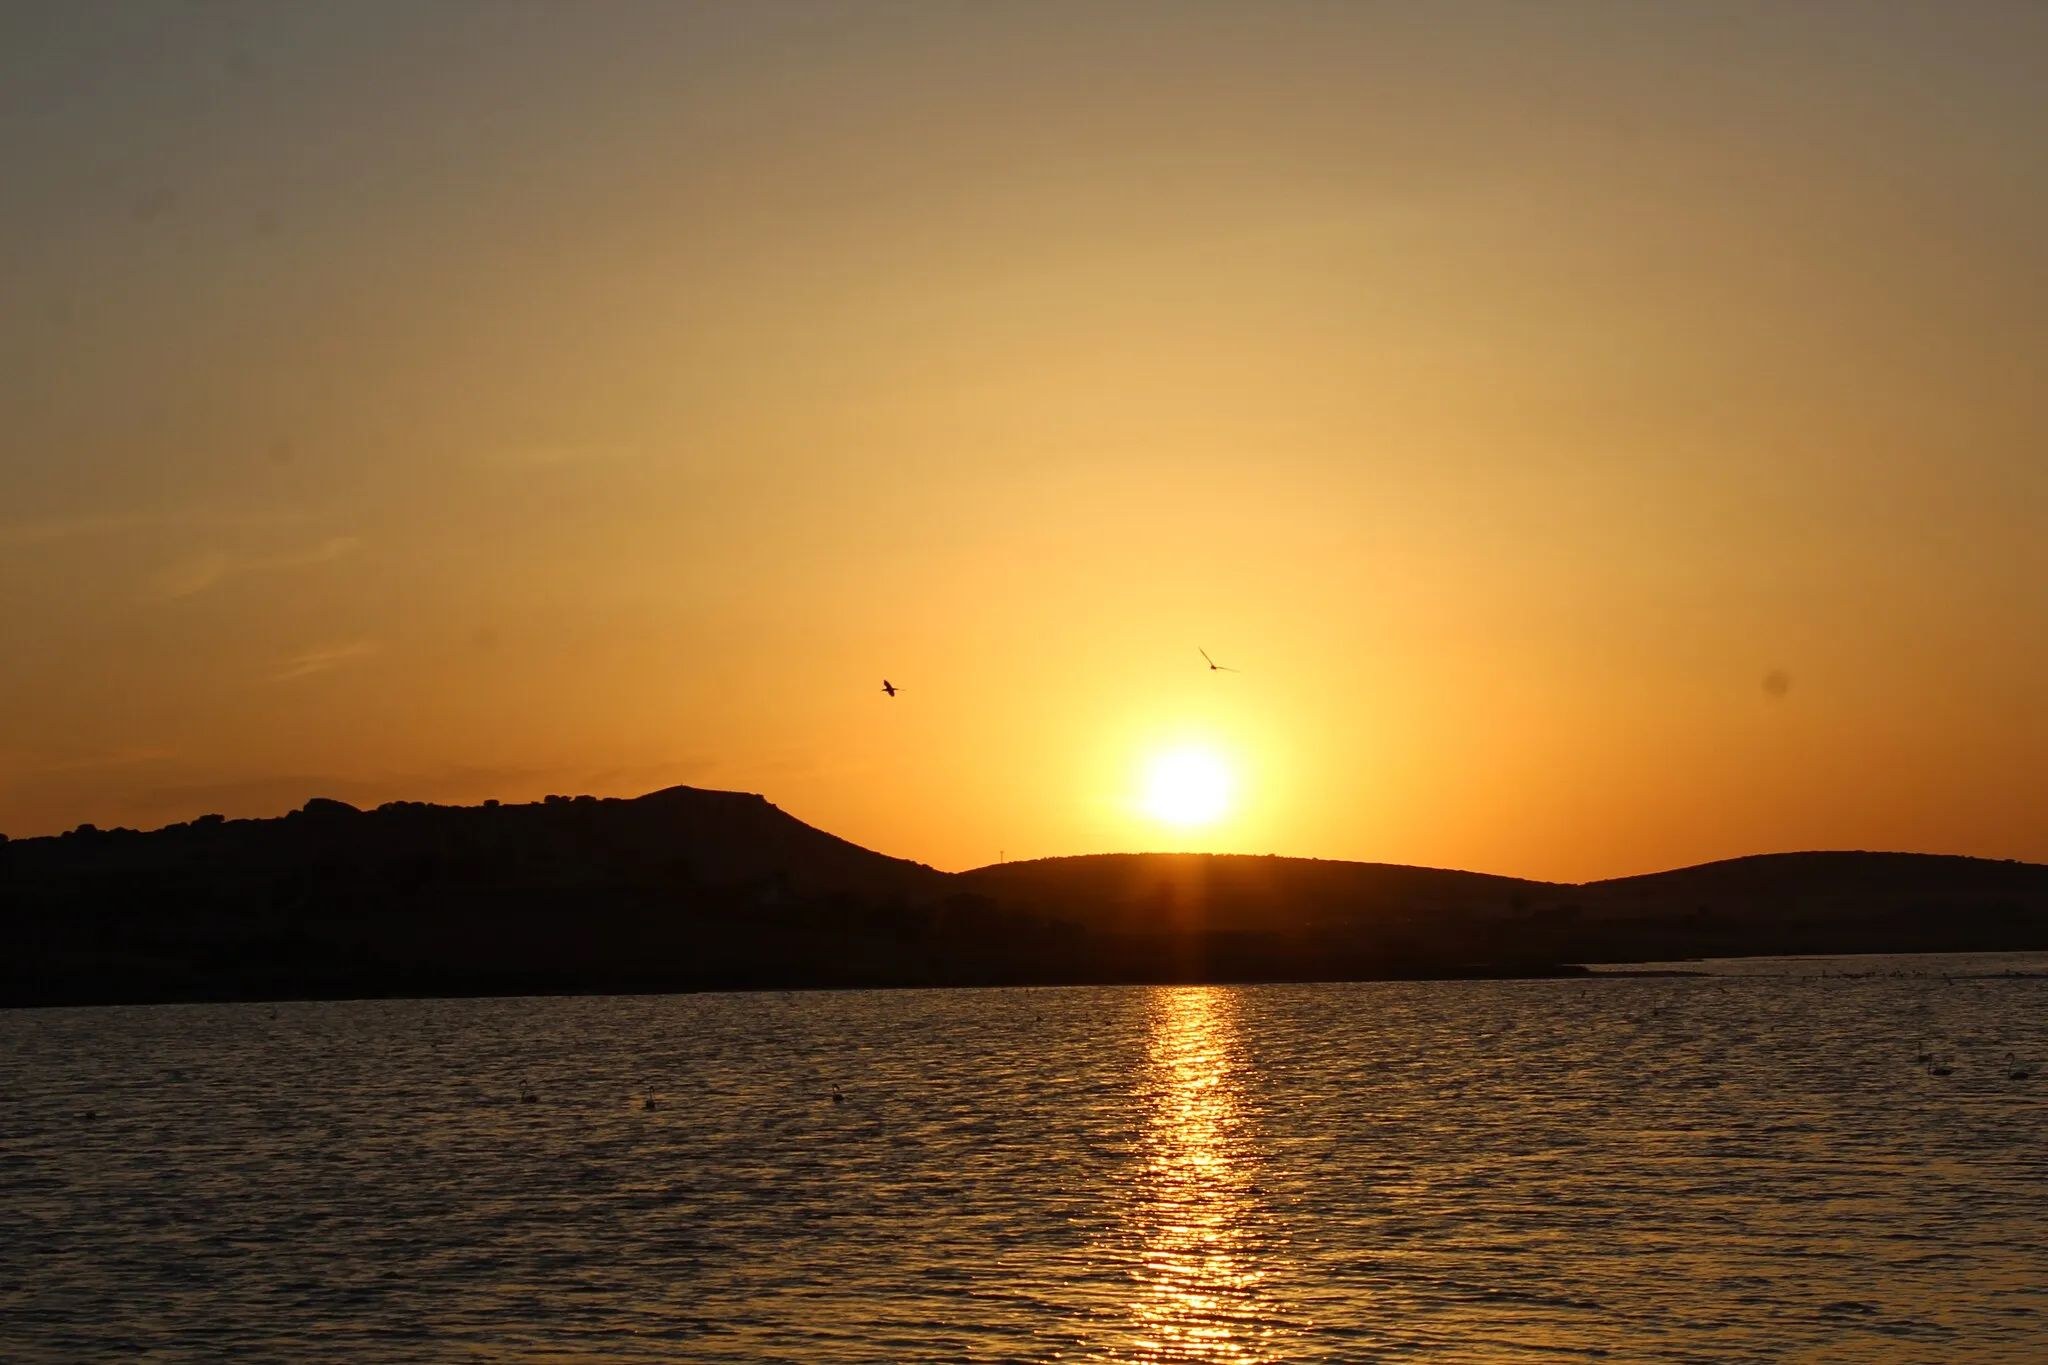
x=1751 y=1165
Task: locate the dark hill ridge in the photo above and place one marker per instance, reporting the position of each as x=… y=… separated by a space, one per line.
x=688 y=889
x=681 y=836
x=672 y=890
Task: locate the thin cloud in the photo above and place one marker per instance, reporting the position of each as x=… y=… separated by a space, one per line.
x=66 y=528
x=643 y=777
x=15 y=765
x=189 y=576
x=52 y=530
x=321 y=660
x=200 y=572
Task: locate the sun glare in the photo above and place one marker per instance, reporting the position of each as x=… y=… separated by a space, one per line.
x=1187 y=787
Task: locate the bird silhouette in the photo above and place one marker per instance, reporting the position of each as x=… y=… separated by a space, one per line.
x=1215 y=667
x=889 y=687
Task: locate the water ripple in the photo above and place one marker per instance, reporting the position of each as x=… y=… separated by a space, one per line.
x=1748 y=1166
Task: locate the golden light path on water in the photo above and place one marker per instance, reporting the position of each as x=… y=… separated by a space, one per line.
x=1198 y=1208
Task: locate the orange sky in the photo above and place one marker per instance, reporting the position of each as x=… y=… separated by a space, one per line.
x=511 y=399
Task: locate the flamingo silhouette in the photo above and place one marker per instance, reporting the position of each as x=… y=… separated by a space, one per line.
x=889 y=687
x=1215 y=667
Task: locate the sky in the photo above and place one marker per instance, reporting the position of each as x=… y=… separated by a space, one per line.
x=1604 y=437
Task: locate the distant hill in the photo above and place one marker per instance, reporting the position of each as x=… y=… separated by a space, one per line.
x=1825 y=885
x=1378 y=918
x=687 y=889
x=1244 y=892
x=1817 y=903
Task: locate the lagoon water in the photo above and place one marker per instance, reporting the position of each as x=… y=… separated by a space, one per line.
x=1744 y=1165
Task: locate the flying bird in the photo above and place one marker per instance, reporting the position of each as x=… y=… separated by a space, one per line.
x=889 y=687
x=1215 y=667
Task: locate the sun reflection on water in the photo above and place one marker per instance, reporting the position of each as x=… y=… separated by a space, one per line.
x=1197 y=1208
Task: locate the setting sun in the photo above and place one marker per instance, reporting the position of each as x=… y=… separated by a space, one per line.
x=1187 y=787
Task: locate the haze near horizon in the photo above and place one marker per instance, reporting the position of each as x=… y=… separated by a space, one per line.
x=1605 y=439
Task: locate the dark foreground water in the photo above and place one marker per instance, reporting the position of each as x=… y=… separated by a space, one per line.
x=1751 y=1166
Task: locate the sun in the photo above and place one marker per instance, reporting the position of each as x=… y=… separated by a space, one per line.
x=1187 y=787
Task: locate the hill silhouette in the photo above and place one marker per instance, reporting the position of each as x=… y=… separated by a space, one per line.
x=687 y=889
